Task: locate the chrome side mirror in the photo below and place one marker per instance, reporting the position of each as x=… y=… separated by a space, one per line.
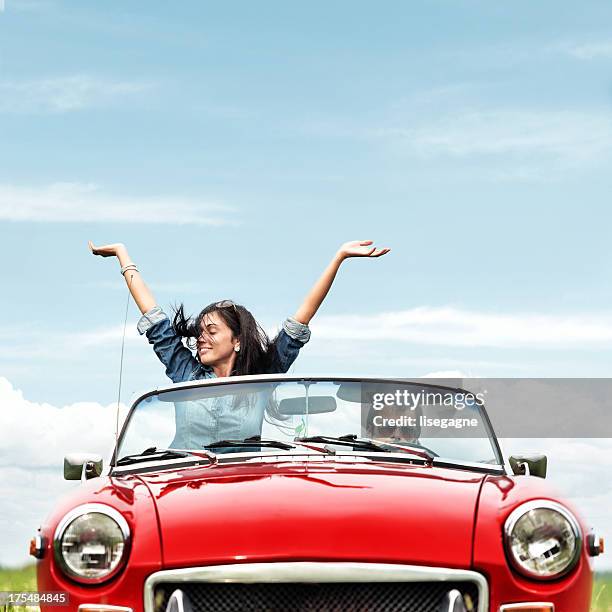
x=529 y=465
x=82 y=466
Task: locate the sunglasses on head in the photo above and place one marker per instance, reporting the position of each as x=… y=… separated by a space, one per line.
x=225 y=304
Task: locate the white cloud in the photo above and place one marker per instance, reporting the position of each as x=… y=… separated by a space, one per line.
x=563 y=135
x=589 y=51
x=449 y=326
x=424 y=325
x=446 y=374
x=88 y=203
x=71 y=346
x=28 y=5
x=64 y=94
x=35 y=438
x=39 y=435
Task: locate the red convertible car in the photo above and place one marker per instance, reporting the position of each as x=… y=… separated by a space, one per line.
x=292 y=493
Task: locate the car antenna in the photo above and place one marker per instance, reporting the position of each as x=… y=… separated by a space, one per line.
x=127 y=308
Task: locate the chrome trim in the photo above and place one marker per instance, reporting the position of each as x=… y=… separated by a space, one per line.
x=39 y=546
x=104 y=608
x=75 y=513
x=454 y=602
x=307 y=571
x=492 y=468
x=547 y=504
x=159 y=465
x=303 y=455
x=179 y=602
x=224 y=380
x=525 y=606
x=593 y=543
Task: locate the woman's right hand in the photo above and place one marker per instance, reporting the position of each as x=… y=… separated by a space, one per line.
x=108 y=250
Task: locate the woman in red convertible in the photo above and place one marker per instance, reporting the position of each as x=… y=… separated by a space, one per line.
x=227 y=338
x=228 y=341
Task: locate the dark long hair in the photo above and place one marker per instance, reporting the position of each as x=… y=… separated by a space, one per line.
x=256 y=355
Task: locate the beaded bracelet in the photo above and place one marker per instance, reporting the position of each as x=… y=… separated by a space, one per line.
x=124 y=269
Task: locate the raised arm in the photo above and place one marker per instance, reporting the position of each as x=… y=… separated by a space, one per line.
x=140 y=292
x=168 y=346
x=311 y=303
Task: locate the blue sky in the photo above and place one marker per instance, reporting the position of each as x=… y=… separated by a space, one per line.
x=234 y=146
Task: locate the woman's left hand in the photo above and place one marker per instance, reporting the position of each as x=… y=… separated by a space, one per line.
x=360 y=248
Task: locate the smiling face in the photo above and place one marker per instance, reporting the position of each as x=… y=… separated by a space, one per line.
x=216 y=343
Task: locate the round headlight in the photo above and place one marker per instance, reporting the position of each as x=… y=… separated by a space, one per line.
x=91 y=543
x=543 y=540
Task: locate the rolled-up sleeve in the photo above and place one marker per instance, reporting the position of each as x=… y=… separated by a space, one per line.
x=295 y=329
x=291 y=338
x=150 y=318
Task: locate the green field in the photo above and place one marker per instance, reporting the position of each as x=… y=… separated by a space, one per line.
x=24 y=579
x=18 y=579
x=602 y=593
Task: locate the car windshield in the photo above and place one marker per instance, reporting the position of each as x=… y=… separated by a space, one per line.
x=449 y=423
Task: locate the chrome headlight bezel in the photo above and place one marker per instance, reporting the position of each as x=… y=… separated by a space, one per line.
x=72 y=515
x=541 y=504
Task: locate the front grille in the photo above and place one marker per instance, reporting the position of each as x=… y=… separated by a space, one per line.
x=316 y=597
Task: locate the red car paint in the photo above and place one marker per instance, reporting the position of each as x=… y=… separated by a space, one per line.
x=291 y=509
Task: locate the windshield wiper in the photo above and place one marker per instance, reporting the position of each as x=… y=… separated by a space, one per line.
x=416 y=449
x=250 y=443
x=347 y=440
x=368 y=445
x=153 y=454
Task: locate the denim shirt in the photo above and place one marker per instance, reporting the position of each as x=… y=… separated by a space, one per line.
x=208 y=420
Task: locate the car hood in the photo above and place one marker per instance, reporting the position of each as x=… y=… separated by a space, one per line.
x=289 y=511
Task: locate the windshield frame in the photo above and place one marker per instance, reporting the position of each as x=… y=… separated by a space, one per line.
x=232 y=380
